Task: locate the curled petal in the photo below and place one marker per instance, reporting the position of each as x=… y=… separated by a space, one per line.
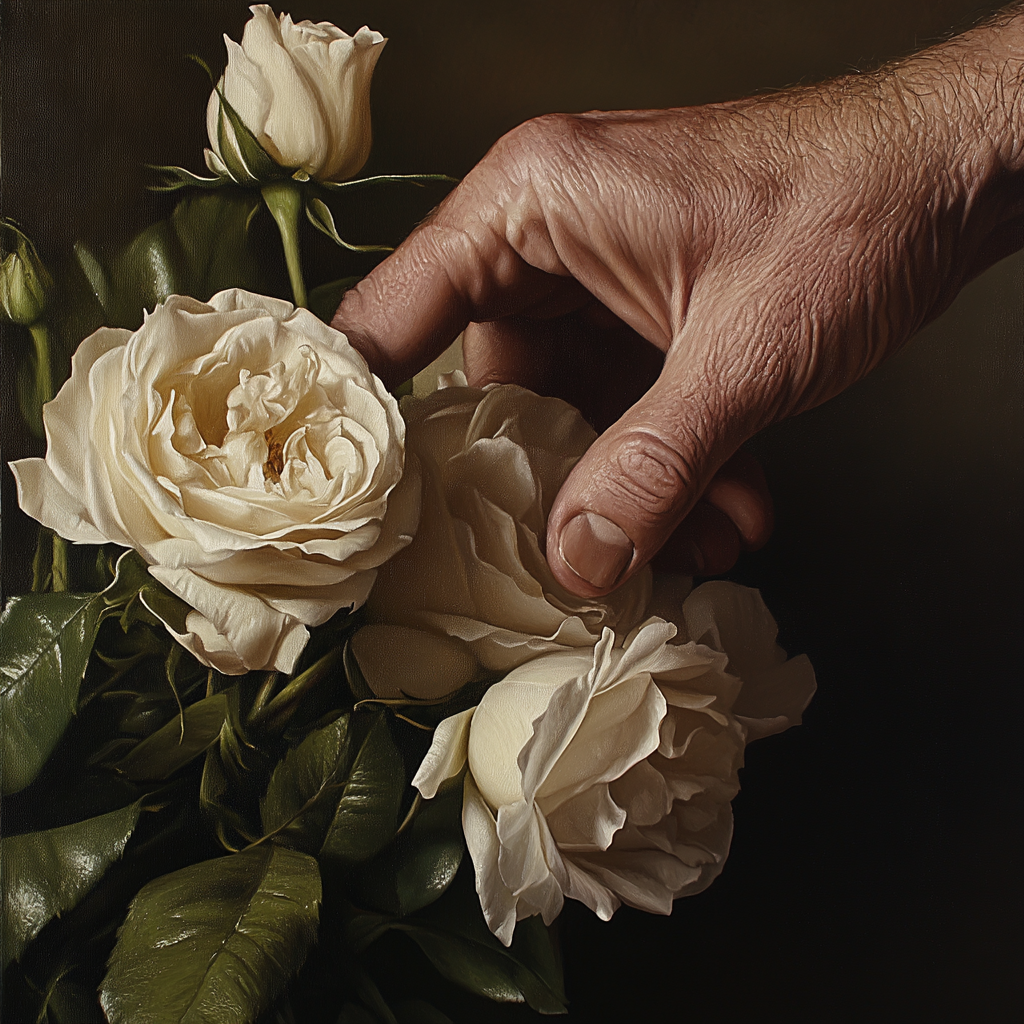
x=481 y=830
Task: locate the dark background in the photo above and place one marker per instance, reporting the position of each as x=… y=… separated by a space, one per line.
x=876 y=867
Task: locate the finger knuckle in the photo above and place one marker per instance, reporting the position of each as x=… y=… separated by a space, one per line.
x=651 y=474
x=541 y=141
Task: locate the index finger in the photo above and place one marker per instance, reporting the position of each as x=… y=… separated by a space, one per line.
x=410 y=307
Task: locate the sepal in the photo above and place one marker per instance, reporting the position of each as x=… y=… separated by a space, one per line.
x=174 y=178
x=322 y=219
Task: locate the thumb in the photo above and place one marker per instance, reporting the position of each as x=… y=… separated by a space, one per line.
x=633 y=487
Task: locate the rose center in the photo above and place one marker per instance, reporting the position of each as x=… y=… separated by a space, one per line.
x=275 y=459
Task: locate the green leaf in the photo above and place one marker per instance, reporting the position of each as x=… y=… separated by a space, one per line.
x=338 y=792
x=485 y=969
x=99 y=284
x=212 y=230
x=363 y=928
x=45 y=642
x=68 y=1002
x=143 y=597
x=325 y=298
x=150 y=268
x=422 y=861
x=367 y=990
x=366 y=813
x=299 y=799
x=215 y=791
x=233 y=777
x=215 y=941
x=322 y=219
x=47 y=873
x=454 y=936
x=202 y=248
x=177 y=743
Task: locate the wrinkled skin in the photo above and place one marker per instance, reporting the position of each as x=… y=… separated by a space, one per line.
x=687 y=277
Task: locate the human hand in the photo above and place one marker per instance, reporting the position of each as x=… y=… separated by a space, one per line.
x=687 y=277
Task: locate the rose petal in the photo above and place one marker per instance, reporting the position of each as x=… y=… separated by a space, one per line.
x=260 y=636
x=447 y=755
x=42 y=497
x=398 y=661
x=481 y=831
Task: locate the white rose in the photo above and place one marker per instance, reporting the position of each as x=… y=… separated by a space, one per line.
x=606 y=774
x=302 y=90
x=245 y=450
x=474 y=588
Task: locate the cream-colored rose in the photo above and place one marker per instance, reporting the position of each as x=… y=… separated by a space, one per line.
x=605 y=774
x=245 y=450
x=474 y=588
x=303 y=90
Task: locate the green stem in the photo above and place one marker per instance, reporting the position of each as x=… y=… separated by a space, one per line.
x=266 y=691
x=278 y=710
x=60 y=564
x=42 y=561
x=284 y=200
x=44 y=372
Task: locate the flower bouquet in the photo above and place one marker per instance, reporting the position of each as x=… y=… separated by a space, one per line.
x=297 y=723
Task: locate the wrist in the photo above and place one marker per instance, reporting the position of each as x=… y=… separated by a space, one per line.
x=964 y=103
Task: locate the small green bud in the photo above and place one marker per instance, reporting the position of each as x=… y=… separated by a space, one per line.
x=24 y=281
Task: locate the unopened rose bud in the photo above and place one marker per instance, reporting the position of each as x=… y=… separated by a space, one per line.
x=303 y=92
x=24 y=281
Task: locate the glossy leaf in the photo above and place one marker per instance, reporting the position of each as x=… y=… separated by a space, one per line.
x=212 y=230
x=299 y=799
x=484 y=969
x=370 y=797
x=45 y=642
x=47 y=873
x=202 y=248
x=68 y=1002
x=214 y=942
x=421 y=863
x=338 y=792
x=95 y=275
x=453 y=935
x=177 y=743
x=150 y=268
